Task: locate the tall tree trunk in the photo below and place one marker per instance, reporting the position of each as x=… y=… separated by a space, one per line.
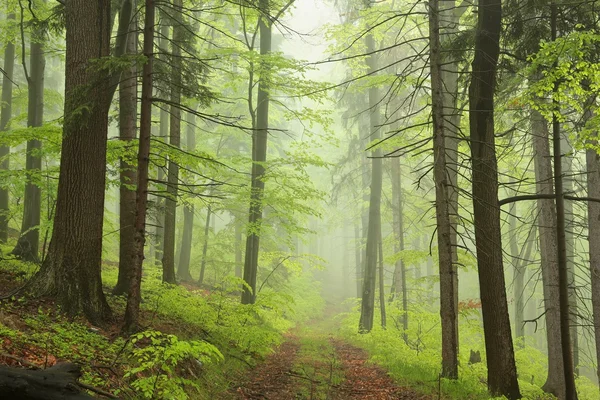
x=368 y=292
x=134 y=298
x=259 y=156
x=567 y=167
x=71 y=271
x=381 y=283
x=563 y=284
x=555 y=382
x=127 y=133
x=502 y=372
x=168 y=260
x=398 y=221
x=357 y=260
x=239 y=262
x=183 y=269
x=520 y=259
x=205 y=245
x=163 y=134
x=27 y=246
x=448 y=305
x=593 y=184
x=5 y=116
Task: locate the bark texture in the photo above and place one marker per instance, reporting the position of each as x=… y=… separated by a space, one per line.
x=5 y=116
x=502 y=372
x=127 y=132
x=555 y=382
x=259 y=156
x=71 y=271
x=27 y=246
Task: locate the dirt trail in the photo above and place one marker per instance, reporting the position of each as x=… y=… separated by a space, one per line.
x=320 y=367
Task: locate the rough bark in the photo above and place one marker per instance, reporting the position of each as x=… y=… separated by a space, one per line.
x=183 y=269
x=55 y=383
x=134 y=297
x=168 y=260
x=127 y=133
x=27 y=246
x=5 y=116
x=259 y=156
x=555 y=382
x=448 y=305
x=374 y=225
x=502 y=372
x=71 y=271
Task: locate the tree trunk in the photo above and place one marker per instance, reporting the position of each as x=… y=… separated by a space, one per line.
x=239 y=263
x=555 y=382
x=357 y=260
x=27 y=246
x=134 y=298
x=71 y=271
x=563 y=284
x=370 y=273
x=183 y=269
x=259 y=156
x=5 y=116
x=163 y=134
x=448 y=306
x=593 y=184
x=168 y=260
x=381 y=283
x=127 y=133
x=502 y=372
x=567 y=167
x=205 y=245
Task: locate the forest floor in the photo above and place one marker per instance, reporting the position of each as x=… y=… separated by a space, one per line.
x=315 y=364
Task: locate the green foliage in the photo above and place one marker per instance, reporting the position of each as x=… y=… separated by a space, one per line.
x=156 y=357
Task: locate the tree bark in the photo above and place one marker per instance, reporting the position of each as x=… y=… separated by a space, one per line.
x=127 y=133
x=168 y=260
x=555 y=382
x=259 y=156
x=593 y=185
x=368 y=290
x=71 y=271
x=502 y=372
x=205 y=245
x=5 y=116
x=183 y=269
x=381 y=282
x=27 y=246
x=448 y=305
x=134 y=297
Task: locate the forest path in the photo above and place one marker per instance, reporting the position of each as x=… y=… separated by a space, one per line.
x=313 y=364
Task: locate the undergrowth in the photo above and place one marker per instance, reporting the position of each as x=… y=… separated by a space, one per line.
x=195 y=345
x=417 y=361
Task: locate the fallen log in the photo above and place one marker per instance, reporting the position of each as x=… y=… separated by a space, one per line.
x=55 y=383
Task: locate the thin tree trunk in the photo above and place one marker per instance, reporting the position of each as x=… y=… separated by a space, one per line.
x=357 y=260
x=205 y=245
x=183 y=269
x=239 y=261
x=128 y=89
x=71 y=271
x=259 y=156
x=368 y=293
x=381 y=283
x=5 y=116
x=555 y=382
x=563 y=284
x=168 y=260
x=163 y=134
x=448 y=306
x=27 y=246
x=134 y=298
x=502 y=372
x=593 y=184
